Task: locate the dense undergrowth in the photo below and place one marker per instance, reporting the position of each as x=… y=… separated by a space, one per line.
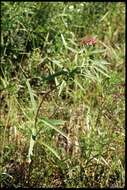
x=62 y=101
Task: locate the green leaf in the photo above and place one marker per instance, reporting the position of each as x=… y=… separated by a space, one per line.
x=51 y=150
x=30 y=151
x=71 y=49
x=54 y=122
x=80 y=86
x=97 y=51
x=31 y=96
x=64 y=42
x=50 y=124
x=58 y=63
x=62 y=87
x=102 y=72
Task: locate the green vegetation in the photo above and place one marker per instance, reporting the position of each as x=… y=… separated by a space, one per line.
x=61 y=100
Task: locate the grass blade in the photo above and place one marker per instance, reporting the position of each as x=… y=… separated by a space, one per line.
x=48 y=123
x=31 y=96
x=51 y=150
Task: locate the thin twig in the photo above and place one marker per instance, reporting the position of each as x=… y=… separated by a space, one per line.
x=43 y=96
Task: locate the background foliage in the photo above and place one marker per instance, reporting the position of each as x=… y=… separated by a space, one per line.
x=62 y=103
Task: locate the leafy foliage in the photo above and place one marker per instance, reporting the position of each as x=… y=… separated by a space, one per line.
x=62 y=101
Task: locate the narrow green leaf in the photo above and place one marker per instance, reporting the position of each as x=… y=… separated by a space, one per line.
x=64 y=42
x=62 y=87
x=30 y=151
x=71 y=49
x=58 y=63
x=46 y=122
x=100 y=62
x=81 y=87
x=97 y=51
x=31 y=96
x=51 y=150
x=102 y=72
x=54 y=122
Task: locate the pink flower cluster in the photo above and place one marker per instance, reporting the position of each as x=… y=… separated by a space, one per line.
x=88 y=41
